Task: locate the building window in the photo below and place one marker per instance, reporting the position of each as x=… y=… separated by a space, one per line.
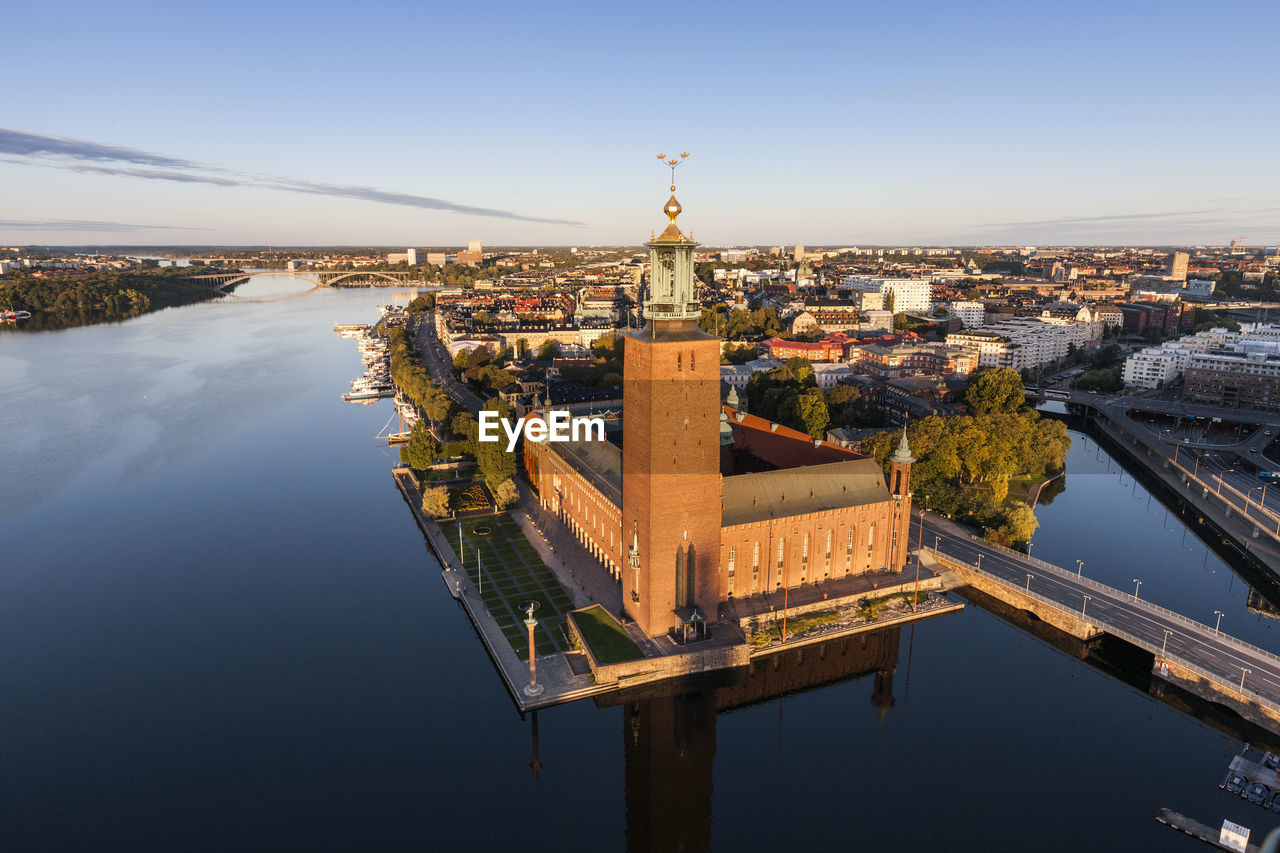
x=755 y=568
x=679 y=361
x=692 y=364
x=804 y=558
x=826 y=568
x=731 y=561
x=782 y=542
x=682 y=579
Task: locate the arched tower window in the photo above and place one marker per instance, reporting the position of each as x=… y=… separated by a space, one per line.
x=691 y=578
x=682 y=578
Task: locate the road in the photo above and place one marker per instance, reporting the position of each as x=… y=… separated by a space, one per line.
x=1224 y=657
x=436 y=359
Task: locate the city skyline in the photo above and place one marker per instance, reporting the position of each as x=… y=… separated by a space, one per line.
x=924 y=125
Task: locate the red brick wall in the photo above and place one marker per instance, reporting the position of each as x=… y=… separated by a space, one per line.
x=671 y=467
x=882 y=552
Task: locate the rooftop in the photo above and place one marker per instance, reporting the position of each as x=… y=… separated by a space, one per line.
x=748 y=498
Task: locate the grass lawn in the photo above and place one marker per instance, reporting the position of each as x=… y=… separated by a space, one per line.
x=608 y=642
x=513 y=574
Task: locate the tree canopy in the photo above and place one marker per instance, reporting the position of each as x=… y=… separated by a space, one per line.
x=964 y=463
x=995 y=390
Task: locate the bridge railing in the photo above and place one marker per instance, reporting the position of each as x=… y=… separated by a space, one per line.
x=1119 y=595
x=1272 y=518
x=1224 y=680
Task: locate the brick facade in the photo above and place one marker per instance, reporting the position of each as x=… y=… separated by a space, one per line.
x=671 y=471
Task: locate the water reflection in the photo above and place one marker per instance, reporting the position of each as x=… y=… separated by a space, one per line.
x=669 y=731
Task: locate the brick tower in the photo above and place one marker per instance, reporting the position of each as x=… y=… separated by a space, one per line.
x=671 y=450
x=900 y=488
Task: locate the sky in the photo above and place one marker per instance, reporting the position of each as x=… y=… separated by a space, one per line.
x=836 y=124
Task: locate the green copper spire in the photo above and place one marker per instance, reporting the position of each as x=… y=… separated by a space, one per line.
x=903 y=454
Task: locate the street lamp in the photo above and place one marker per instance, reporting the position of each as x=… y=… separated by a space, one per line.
x=1244 y=670
x=1079 y=568
x=1136 y=584
x=1029 y=544
x=1084 y=606
x=1218 y=624
x=1029 y=577
x=1165 y=642
x=979 y=562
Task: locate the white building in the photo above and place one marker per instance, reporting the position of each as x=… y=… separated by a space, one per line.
x=411 y=257
x=1155 y=367
x=829 y=374
x=1019 y=343
x=474 y=246
x=737 y=375
x=900 y=294
x=972 y=314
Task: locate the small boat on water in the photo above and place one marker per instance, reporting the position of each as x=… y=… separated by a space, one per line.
x=358 y=396
x=14 y=316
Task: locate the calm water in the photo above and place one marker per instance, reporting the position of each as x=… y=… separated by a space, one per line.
x=220 y=629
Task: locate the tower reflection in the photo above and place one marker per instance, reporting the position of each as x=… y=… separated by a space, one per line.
x=669 y=730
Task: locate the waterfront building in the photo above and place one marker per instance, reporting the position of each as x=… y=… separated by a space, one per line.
x=1155 y=367
x=704 y=503
x=1243 y=372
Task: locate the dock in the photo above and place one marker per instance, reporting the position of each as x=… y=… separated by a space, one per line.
x=1199 y=831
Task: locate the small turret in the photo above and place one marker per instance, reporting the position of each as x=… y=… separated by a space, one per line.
x=903 y=454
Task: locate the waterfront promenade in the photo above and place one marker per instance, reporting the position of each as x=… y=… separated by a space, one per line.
x=1193 y=655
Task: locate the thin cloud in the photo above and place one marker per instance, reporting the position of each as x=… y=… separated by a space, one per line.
x=32 y=145
x=76 y=155
x=1116 y=218
x=423 y=202
x=84 y=225
x=153 y=174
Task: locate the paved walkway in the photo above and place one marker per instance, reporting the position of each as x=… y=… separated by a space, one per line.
x=585 y=577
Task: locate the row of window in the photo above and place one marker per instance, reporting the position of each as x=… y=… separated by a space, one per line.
x=804 y=558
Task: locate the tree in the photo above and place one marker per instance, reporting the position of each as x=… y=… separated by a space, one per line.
x=549 y=350
x=435 y=502
x=422 y=449
x=994 y=390
x=506 y=493
x=806 y=412
x=494 y=462
x=1019 y=524
x=841 y=403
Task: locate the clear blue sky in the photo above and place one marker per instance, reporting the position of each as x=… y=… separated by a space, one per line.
x=841 y=123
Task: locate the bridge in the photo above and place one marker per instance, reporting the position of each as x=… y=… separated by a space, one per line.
x=320 y=278
x=1198 y=658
